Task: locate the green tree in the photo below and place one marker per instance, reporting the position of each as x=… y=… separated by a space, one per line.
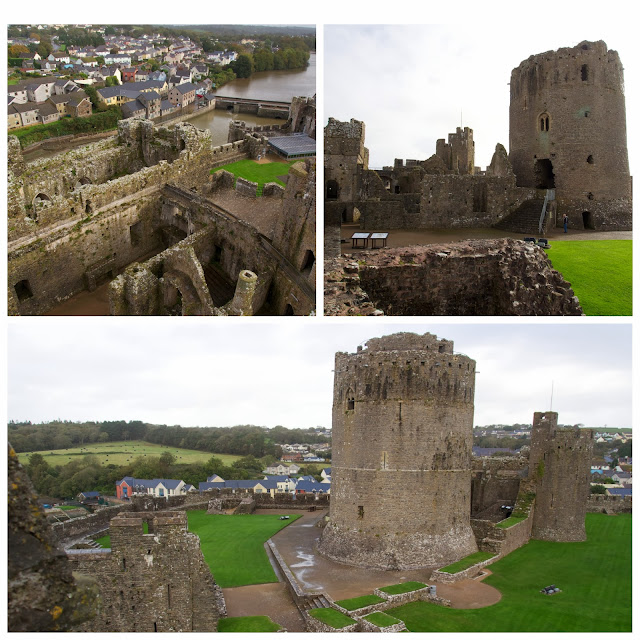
x=598 y=488
x=243 y=66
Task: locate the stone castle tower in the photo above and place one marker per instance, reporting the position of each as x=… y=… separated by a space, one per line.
x=344 y=155
x=567 y=130
x=458 y=154
x=559 y=466
x=402 y=434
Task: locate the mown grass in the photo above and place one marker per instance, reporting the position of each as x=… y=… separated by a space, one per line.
x=257 y=172
x=403 y=587
x=509 y=522
x=120 y=453
x=233 y=546
x=255 y=624
x=594 y=576
x=332 y=617
x=381 y=619
x=351 y=604
x=600 y=274
x=468 y=561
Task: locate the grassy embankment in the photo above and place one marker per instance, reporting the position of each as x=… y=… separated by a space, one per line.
x=600 y=274
x=258 y=172
x=594 y=578
x=120 y=453
x=233 y=546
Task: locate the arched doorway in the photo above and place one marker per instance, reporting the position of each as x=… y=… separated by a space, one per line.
x=332 y=190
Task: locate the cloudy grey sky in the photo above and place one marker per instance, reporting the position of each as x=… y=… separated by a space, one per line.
x=200 y=373
x=409 y=84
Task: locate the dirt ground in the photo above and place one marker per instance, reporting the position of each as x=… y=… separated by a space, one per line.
x=405 y=238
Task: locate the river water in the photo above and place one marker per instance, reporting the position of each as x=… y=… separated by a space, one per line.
x=280 y=86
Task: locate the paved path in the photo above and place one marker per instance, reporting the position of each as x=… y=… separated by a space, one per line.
x=296 y=544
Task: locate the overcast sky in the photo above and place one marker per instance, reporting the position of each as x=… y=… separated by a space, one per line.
x=410 y=84
x=205 y=373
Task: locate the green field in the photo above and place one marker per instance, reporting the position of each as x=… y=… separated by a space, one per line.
x=600 y=274
x=233 y=546
x=257 y=172
x=245 y=624
x=120 y=453
x=468 y=561
x=594 y=578
x=351 y=604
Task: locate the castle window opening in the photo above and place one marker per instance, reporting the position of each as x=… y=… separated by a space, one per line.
x=361 y=512
x=584 y=72
x=217 y=253
x=87 y=208
x=124 y=563
x=332 y=190
x=351 y=404
x=590 y=160
x=23 y=290
x=308 y=261
x=135 y=234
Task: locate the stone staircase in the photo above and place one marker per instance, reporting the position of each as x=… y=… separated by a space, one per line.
x=525 y=219
x=318 y=601
x=220 y=287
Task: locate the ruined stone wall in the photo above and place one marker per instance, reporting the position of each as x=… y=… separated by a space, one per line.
x=560 y=467
x=87 y=525
x=402 y=417
x=493 y=486
x=567 y=111
x=609 y=504
x=97 y=229
x=294 y=233
x=72 y=259
x=152 y=582
x=476 y=277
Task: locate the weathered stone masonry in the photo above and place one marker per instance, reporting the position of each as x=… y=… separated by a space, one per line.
x=402 y=420
x=152 y=582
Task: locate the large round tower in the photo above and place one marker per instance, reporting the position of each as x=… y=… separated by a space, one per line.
x=402 y=436
x=567 y=130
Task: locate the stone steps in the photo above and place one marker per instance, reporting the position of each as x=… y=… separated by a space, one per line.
x=220 y=287
x=525 y=219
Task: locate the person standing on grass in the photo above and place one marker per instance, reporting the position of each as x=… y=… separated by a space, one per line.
x=565 y=222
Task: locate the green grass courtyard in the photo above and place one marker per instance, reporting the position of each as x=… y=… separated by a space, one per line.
x=594 y=578
x=258 y=172
x=233 y=546
x=600 y=274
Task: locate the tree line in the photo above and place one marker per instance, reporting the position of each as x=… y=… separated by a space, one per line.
x=242 y=440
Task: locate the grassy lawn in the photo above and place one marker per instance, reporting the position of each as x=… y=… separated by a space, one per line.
x=468 y=561
x=509 y=522
x=119 y=453
x=256 y=172
x=403 y=587
x=233 y=545
x=247 y=624
x=599 y=272
x=351 y=604
x=332 y=617
x=594 y=576
x=381 y=619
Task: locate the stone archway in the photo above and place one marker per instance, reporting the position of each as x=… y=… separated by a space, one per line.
x=543 y=173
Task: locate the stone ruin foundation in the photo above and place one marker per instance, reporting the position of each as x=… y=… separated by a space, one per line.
x=474 y=277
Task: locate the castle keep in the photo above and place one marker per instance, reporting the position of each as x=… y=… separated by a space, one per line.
x=567 y=130
x=402 y=432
